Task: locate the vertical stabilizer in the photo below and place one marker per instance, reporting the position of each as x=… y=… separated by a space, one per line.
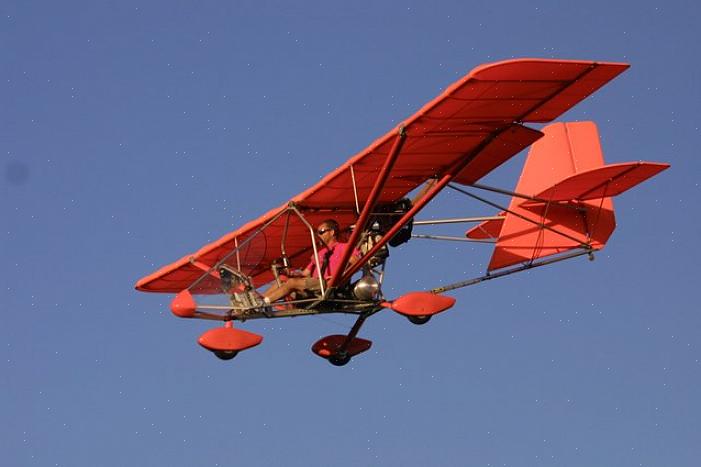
x=572 y=194
x=534 y=229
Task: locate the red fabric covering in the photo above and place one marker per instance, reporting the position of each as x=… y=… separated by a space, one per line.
x=609 y=180
x=477 y=117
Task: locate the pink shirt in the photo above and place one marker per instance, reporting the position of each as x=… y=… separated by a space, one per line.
x=337 y=252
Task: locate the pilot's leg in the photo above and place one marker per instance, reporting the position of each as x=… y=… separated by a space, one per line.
x=291 y=285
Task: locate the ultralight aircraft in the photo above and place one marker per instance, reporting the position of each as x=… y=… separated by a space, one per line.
x=561 y=207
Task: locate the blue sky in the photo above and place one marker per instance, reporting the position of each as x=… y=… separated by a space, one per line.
x=132 y=133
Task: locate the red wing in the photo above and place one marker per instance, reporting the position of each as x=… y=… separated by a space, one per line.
x=467 y=120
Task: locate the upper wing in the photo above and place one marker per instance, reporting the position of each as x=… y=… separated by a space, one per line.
x=467 y=120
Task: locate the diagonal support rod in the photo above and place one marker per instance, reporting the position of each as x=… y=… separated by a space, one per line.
x=540 y=225
x=352 y=334
x=370 y=203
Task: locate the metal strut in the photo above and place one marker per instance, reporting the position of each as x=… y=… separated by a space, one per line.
x=530 y=265
x=355 y=329
x=540 y=225
x=521 y=195
x=370 y=204
x=448 y=175
x=453 y=239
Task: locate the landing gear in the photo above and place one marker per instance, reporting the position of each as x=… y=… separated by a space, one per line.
x=225 y=354
x=419 y=320
x=227 y=342
x=338 y=350
x=339 y=359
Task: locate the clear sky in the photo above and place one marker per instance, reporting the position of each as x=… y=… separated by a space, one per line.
x=132 y=133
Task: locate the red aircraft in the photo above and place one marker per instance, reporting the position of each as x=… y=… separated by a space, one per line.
x=561 y=207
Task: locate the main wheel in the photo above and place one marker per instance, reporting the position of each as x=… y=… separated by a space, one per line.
x=339 y=359
x=225 y=354
x=419 y=319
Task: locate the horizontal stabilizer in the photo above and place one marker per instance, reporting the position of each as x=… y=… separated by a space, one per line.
x=609 y=180
x=487 y=229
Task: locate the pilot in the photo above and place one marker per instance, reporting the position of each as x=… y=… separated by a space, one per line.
x=330 y=257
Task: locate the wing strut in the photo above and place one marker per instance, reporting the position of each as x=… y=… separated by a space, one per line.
x=419 y=204
x=518 y=195
x=370 y=203
x=355 y=190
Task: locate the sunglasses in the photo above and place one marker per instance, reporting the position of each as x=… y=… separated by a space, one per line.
x=323 y=231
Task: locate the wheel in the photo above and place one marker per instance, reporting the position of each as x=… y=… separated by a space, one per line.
x=225 y=354
x=339 y=359
x=419 y=319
